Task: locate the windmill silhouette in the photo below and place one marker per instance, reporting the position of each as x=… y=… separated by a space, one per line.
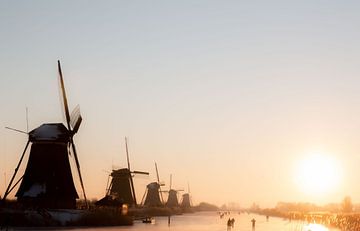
x=121 y=189
x=47 y=181
x=186 y=200
x=153 y=196
x=172 y=201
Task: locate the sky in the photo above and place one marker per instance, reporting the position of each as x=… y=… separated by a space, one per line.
x=230 y=96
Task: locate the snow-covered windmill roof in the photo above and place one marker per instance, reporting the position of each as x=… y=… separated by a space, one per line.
x=153 y=185
x=50 y=132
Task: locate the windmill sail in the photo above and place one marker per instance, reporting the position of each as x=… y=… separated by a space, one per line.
x=75 y=119
x=67 y=115
x=130 y=176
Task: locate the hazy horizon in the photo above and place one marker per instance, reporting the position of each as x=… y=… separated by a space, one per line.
x=244 y=100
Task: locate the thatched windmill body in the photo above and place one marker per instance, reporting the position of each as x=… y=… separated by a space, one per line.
x=47 y=181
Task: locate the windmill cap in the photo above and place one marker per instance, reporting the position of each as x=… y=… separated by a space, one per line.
x=123 y=172
x=153 y=185
x=54 y=132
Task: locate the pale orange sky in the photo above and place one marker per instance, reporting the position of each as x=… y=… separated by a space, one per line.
x=228 y=96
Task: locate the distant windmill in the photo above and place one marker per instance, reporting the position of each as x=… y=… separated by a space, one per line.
x=172 y=198
x=186 y=200
x=122 y=188
x=47 y=181
x=153 y=194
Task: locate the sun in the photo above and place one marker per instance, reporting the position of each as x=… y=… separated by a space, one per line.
x=317 y=174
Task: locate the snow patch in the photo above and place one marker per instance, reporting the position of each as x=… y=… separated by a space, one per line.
x=35 y=190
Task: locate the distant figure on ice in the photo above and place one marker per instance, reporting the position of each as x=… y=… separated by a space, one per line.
x=267 y=217
x=230 y=223
x=253 y=223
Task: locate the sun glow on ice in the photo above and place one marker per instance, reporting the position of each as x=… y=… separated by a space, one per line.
x=315 y=227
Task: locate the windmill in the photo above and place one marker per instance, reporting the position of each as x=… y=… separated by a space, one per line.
x=153 y=196
x=47 y=181
x=172 y=198
x=121 y=188
x=186 y=200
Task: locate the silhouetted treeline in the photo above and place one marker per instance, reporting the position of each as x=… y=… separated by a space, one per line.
x=203 y=206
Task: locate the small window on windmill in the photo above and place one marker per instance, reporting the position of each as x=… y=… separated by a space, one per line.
x=124 y=209
x=75 y=119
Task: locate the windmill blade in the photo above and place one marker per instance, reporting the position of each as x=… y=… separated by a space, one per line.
x=142 y=200
x=140 y=172
x=157 y=173
x=170 y=180
x=127 y=153
x=131 y=179
x=107 y=189
x=17 y=182
x=75 y=119
x=67 y=115
x=78 y=168
x=162 y=184
x=16 y=130
x=16 y=170
x=66 y=107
